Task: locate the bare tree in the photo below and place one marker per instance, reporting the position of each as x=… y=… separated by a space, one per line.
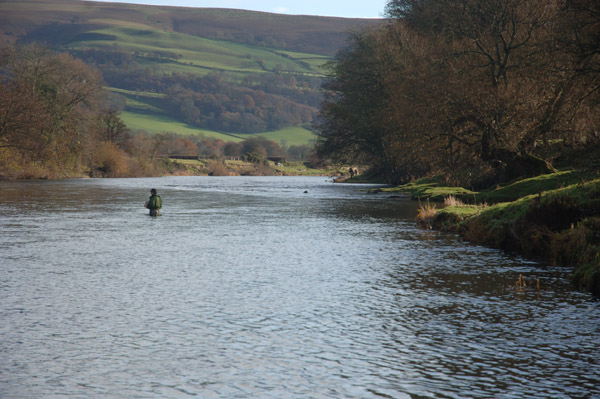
x=49 y=103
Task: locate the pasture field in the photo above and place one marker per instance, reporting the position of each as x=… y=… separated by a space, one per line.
x=187 y=54
x=141 y=114
x=176 y=52
x=136 y=93
x=294 y=135
x=153 y=123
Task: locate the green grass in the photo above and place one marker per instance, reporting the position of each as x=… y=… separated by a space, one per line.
x=197 y=55
x=464 y=211
x=434 y=189
x=154 y=123
x=430 y=189
x=190 y=162
x=535 y=222
x=300 y=169
x=118 y=22
x=289 y=136
x=533 y=185
x=192 y=54
x=141 y=114
x=290 y=33
x=505 y=212
x=136 y=93
x=141 y=106
x=512 y=201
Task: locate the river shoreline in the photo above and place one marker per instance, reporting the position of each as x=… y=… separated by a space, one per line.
x=554 y=217
x=183 y=167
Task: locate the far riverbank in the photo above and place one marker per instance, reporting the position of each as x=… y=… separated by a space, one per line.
x=165 y=166
x=244 y=167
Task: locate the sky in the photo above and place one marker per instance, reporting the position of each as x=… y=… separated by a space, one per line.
x=329 y=8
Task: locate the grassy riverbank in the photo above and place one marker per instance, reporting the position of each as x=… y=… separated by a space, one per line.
x=555 y=217
x=129 y=167
x=213 y=167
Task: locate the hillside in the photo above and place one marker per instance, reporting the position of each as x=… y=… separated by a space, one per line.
x=298 y=33
x=221 y=72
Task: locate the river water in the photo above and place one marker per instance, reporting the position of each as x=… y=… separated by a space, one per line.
x=272 y=287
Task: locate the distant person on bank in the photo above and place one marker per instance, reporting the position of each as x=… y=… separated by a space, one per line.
x=154 y=203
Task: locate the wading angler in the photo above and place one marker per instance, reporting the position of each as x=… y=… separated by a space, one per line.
x=154 y=203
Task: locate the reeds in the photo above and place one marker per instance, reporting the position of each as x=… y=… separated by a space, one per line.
x=451 y=200
x=425 y=215
x=521 y=283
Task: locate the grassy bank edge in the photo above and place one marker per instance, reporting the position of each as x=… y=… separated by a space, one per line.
x=553 y=217
x=211 y=167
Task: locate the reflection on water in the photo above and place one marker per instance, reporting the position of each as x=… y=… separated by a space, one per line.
x=271 y=288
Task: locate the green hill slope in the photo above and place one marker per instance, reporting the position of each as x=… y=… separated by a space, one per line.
x=176 y=52
x=297 y=33
x=220 y=72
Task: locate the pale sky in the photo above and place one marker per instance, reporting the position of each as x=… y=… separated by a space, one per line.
x=329 y=8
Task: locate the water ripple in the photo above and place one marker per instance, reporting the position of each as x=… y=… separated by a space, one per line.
x=251 y=288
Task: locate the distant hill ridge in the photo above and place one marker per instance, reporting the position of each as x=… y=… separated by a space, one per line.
x=50 y=19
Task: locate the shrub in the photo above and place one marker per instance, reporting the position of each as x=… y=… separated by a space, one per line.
x=109 y=161
x=254 y=157
x=216 y=168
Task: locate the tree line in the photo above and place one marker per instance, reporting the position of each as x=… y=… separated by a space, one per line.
x=216 y=101
x=49 y=109
x=481 y=91
x=254 y=149
x=56 y=120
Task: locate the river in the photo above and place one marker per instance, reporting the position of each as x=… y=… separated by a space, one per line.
x=272 y=287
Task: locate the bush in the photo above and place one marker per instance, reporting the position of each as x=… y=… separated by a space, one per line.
x=109 y=161
x=254 y=157
x=216 y=168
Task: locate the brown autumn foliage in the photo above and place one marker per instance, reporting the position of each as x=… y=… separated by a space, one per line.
x=49 y=108
x=53 y=121
x=482 y=91
x=109 y=161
